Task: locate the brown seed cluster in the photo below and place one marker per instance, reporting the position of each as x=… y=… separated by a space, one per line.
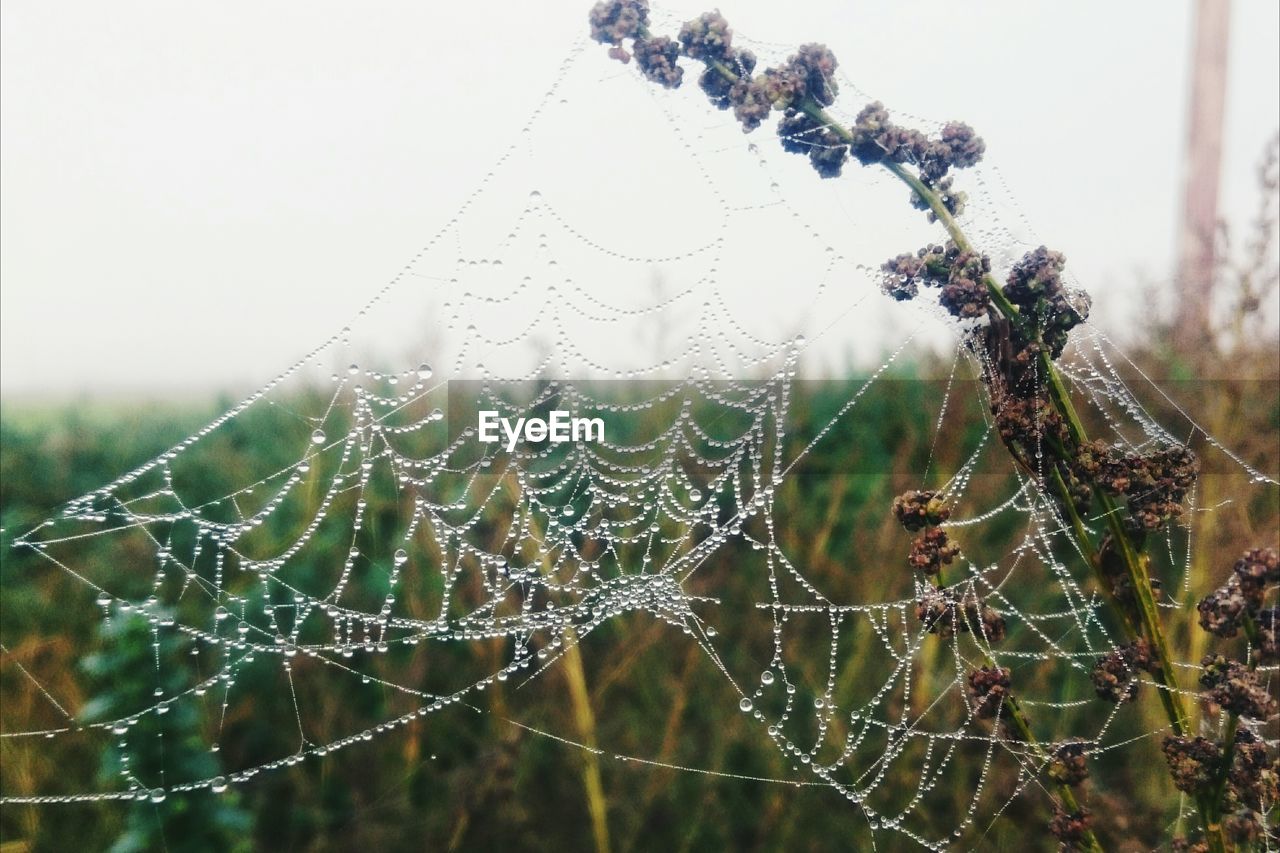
x=878 y=139
x=959 y=274
x=1254 y=780
x=800 y=86
x=918 y=509
x=1115 y=675
x=1193 y=762
x=800 y=133
x=707 y=38
x=1070 y=828
x=1068 y=765
x=988 y=688
x=953 y=200
x=1035 y=286
x=1154 y=484
x=948 y=612
x=1223 y=611
x=931 y=551
x=1258 y=569
x=656 y=59
x=1267 y=649
x=1236 y=688
x=922 y=511
x=615 y=21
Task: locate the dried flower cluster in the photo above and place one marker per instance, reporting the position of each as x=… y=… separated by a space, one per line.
x=1223 y=612
x=1236 y=688
x=931 y=551
x=1035 y=286
x=946 y=612
x=918 y=509
x=1153 y=484
x=1115 y=675
x=1193 y=762
x=1252 y=781
x=798 y=88
x=1070 y=828
x=960 y=275
x=924 y=510
x=988 y=688
x=1068 y=765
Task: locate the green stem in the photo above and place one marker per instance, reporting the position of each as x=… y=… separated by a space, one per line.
x=1086 y=547
x=1023 y=727
x=1068 y=796
x=1134 y=565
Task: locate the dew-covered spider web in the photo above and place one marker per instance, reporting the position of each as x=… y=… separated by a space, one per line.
x=634 y=258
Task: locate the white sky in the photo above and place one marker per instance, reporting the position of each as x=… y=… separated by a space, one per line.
x=196 y=194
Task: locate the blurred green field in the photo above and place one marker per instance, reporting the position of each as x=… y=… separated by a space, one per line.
x=464 y=780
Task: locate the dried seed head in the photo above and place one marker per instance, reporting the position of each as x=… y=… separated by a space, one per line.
x=656 y=58
x=1157 y=494
x=1258 y=569
x=1068 y=766
x=1222 y=611
x=707 y=38
x=931 y=551
x=902 y=276
x=802 y=134
x=919 y=508
x=612 y=21
x=1114 y=675
x=1193 y=763
x=1236 y=688
x=1267 y=621
x=751 y=105
x=947 y=612
x=1254 y=780
x=1243 y=826
x=988 y=688
x=1070 y=828
x=953 y=200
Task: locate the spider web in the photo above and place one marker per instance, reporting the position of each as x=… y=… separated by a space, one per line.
x=542 y=292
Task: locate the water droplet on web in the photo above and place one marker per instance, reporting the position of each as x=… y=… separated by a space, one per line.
x=157 y=795
x=766 y=677
x=745 y=705
x=317 y=437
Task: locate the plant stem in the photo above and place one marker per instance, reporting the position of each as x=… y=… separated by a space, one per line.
x=1068 y=796
x=1134 y=563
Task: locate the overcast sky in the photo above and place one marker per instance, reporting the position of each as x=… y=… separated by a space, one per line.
x=196 y=194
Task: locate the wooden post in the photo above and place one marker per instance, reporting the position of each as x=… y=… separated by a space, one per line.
x=1197 y=239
